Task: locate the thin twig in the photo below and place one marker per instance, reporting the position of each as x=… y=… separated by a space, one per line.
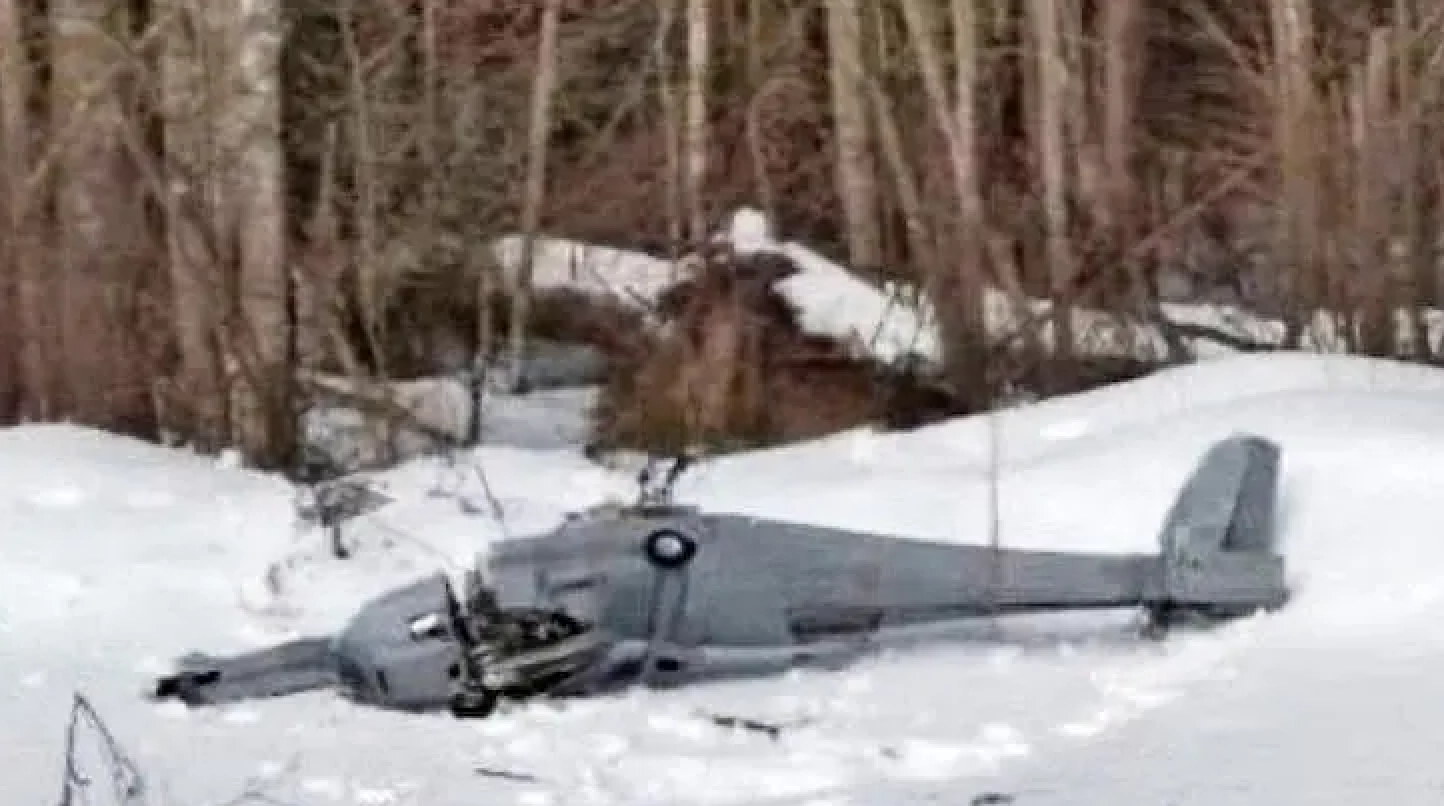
x=128 y=783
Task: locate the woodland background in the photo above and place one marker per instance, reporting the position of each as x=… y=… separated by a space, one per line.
x=201 y=200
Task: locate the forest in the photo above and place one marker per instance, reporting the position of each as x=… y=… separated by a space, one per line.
x=205 y=205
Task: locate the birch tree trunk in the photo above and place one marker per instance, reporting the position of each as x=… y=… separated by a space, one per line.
x=1296 y=127
x=1049 y=142
x=696 y=134
x=856 y=169
x=543 y=87
x=195 y=213
x=100 y=229
x=231 y=287
x=252 y=131
x=957 y=285
x=22 y=276
x=970 y=328
x=12 y=330
x=1121 y=41
x=671 y=128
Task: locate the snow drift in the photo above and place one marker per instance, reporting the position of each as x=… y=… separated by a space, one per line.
x=118 y=556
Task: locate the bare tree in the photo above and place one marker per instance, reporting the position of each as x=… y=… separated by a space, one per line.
x=539 y=134
x=257 y=185
x=671 y=127
x=226 y=221
x=1296 y=136
x=855 y=168
x=699 y=47
x=958 y=285
x=195 y=213
x=1051 y=146
x=101 y=232
x=23 y=276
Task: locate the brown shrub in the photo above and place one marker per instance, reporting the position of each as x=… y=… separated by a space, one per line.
x=432 y=319
x=734 y=370
x=575 y=317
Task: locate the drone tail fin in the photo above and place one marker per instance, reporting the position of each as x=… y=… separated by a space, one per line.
x=1219 y=540
x=1229 y=502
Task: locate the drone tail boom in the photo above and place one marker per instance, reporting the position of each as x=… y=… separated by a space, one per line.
x=292 y=667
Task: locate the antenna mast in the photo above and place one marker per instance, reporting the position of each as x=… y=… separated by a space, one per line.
x=995 y=569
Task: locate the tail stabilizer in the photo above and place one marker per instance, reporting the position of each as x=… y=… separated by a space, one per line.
x=1219 y=539
x=1229 y=502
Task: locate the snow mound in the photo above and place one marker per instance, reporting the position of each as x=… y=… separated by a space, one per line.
x=630 y=278
x=833 y=301
x=888 y=323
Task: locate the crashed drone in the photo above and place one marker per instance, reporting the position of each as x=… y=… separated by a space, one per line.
x=661 y=594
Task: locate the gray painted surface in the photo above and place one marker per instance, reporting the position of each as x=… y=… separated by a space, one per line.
x=760 y=596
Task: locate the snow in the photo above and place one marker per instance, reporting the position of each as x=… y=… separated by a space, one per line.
x=118 y=556
x=630 y=278
x=437 y=410
x=888 y=323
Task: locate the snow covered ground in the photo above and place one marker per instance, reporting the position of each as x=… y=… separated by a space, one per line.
x=116 y=557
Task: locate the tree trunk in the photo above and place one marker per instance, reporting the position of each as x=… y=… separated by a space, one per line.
x=671 y=130
x=856 y=169
x=257 y=189
x=100 y=229
x=543 y=87
x=1050 y=146
x=20 y=276
x=698 y=69
x=196 y=216
x=227 y=223
x=957 y=285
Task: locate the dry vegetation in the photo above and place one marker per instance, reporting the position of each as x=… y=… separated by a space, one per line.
x=734 y=370
x=197 y=198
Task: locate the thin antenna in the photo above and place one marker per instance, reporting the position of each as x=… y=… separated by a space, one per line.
x=497 y=512
x=995 y=518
